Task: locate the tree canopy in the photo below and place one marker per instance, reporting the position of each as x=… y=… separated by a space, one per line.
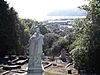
x=86 y=47
x=8 y=22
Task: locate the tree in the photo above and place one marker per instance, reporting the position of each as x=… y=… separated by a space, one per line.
x=43 y=29
x=23 y=35
x=94 y=48
x=8 y=20
x=49 y=39
x=13 y=21
x=60 y=45
x=86 y=47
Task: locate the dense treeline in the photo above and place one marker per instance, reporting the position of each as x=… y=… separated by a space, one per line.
x=86 y=47
x=8 y=21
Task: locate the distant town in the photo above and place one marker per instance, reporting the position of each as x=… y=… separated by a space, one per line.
x=61 y=24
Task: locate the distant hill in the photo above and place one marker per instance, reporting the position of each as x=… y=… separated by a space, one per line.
x=68 y=12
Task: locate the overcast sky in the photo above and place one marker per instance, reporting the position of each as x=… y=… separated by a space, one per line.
x=38 y=9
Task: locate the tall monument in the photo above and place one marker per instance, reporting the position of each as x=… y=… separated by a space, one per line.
x=35 y=52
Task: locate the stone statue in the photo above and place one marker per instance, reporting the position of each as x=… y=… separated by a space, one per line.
x=35 y=52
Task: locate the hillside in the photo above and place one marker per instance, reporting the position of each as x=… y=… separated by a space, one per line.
x=68 y=12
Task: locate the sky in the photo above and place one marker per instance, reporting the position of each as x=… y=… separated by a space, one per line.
x=38 y=9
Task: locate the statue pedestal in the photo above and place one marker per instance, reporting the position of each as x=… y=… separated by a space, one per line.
x=34 y=73
x=36 y=69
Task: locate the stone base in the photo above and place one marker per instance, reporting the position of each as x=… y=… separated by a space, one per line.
x=36 y=70
x=35 y=74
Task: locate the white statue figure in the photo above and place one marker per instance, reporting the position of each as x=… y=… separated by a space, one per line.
x=35 y=52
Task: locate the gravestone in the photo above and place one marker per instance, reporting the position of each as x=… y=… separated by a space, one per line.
x=63 y=55
x=35 y=52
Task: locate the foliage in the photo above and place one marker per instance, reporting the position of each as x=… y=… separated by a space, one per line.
x=8 y=22
x=43 y=29
x=49 y=39
x=32 y=23
x=86 y=47
x=94 y=49
x=59 y=45
x=23 y=35
x=70 y=37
